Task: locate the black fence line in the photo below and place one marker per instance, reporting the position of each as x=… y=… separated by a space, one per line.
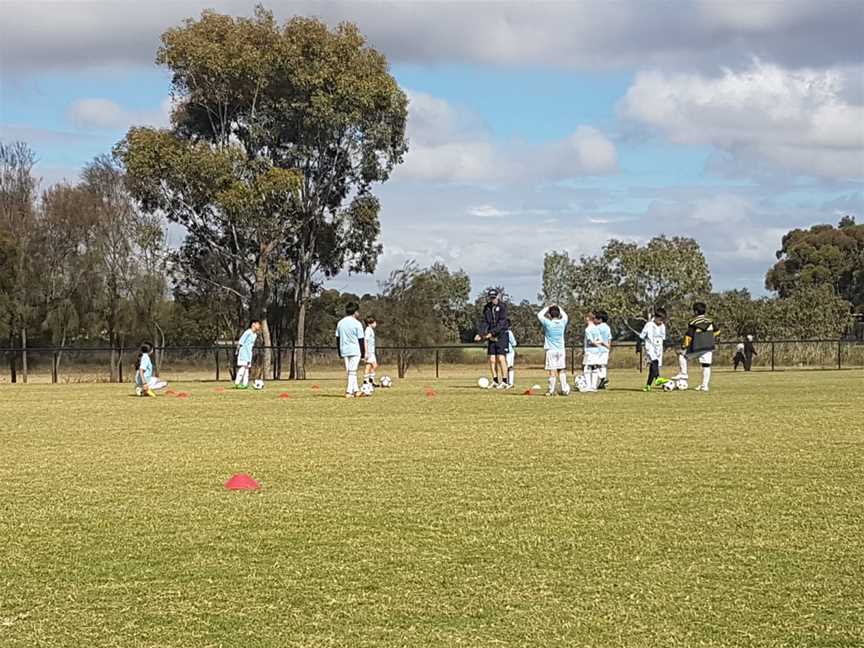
x=218 y=349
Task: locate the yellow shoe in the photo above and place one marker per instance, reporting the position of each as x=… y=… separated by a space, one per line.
x=152 y=393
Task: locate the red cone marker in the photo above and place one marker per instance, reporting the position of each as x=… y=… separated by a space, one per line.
x=242 y=481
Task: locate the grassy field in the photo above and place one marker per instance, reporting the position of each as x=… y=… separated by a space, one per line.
x=469 y=518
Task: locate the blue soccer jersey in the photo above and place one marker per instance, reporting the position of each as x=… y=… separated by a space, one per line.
x=350 y=332
x=146 y=367
x=553 y=330
x=246 y=344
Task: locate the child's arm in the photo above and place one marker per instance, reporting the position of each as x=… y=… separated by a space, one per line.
x=542 y=314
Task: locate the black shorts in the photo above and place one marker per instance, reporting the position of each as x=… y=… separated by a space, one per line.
x=498 y=347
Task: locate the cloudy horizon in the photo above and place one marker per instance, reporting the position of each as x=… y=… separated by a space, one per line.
x=533 y=127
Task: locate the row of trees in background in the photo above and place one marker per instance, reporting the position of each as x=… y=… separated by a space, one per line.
x=818 y=278
x=86 y=265
x=279 y=133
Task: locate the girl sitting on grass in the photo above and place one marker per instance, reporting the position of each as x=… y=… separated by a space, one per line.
x=146 y=383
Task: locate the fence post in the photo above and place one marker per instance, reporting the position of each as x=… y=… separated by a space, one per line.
x=54 y=361
x=436 y=364
x=772 y=356
x=217 y=365
x=120 y=366
x=840 y=354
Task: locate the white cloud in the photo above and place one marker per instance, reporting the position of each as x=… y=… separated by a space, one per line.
x=105 y=114
x=451 y=144
x=584 y=35
x=801 y=121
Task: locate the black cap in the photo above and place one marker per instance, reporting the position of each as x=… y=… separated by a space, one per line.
x=491 y=293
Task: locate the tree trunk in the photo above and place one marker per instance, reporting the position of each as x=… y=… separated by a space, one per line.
x=301 y=300
x=159 y=344
x=24 y=353
x=262 y=298
x=13 y=360
x=268 y=351
x=112 y=343
x=300 y=337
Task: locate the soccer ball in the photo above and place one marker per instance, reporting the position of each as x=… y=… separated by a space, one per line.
x=386 y=382
x=581 y=383
x=138 y=391
x=483 y=383
x=259 y=384
x=681 y=384
x=367 y=389
x=670 y=386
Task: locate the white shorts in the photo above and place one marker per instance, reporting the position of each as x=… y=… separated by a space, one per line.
x=555 y=360
x=704 y=357
x=371 y=359
x=244 y=363
x=511 y=357
x=602 y=359
x=351 y=363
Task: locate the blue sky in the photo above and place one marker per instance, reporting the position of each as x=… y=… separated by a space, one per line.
x=533 y=127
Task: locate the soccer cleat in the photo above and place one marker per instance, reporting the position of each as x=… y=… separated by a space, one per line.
x=646 y=388
x=679 y=376
x=603 y=383
x=550 y=393
x=501 y=386
x=151 y=393
x=508 y=386
x=703 y=388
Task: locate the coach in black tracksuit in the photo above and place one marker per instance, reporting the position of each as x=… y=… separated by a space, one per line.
x=493 y=329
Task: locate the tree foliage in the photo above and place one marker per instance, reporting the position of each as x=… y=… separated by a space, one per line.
x=423 y=306
x=289 y=126
x=823 y=255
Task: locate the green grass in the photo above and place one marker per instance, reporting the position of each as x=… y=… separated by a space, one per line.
x=734 y=518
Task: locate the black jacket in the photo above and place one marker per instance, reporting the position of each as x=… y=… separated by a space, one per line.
x=494 y=319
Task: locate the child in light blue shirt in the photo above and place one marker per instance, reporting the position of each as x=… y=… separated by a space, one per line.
x=352 y=346
x=146 y=383
x=244 y=354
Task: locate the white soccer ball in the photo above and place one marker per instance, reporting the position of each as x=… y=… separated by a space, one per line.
x=386 y=382
x=669 y=386
x=483 y=383
x=681 y=384
x=581 y=383
x=138 y=391
x=367 y=389
x=259 y=384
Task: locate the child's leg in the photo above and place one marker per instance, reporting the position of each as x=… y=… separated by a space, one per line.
x=682 y=366
x=238 y=378
x=562 y=378
x=653 y=372
x=551 y=380
x=246 y=376
x=706 y=375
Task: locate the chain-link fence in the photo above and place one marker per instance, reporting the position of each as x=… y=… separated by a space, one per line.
x=101 y=364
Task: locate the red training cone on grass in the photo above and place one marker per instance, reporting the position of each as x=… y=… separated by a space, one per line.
x=242 y=481
x=182 y=394
x=316 y=386
x=219 y=390
x=284 y=395
x=170 y=392
x=528 y=392
x=431 y=393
